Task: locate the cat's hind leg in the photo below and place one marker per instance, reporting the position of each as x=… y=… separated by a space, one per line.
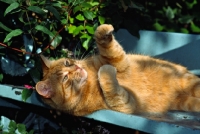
x=116 y=97
x=186 y=103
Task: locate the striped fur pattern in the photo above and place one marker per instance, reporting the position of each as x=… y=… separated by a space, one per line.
x=128 y=83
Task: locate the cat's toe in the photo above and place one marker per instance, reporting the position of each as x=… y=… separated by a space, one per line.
x=103 y=34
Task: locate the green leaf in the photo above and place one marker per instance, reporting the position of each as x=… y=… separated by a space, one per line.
x=76 y=9
x=13 y=33
x=195 y=28
x=56 y=4
x=11 y=8
x=80 y=17
x=43 y=29
x=36 y=9
x=86 y=43
x=85 y=36
x=26 y=93
x=94 y=3
x=71 y=29
x=88 y=14
x=169 y=13
x=8 y=1
x=21 y=18
x=184 y=30
x=101 y=19
x=86 y=5
x=55 y=40
x=5 y=27
x=158 y=27
x=12 y=125
x=21 y=128
x=90 y=29
x=64 y=21
x=77 y=30
x=1 y=77
x=54 y=11
x=31 y=132
x=71 y=20
x=186 y=19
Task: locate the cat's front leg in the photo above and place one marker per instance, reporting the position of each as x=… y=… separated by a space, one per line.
x=110 y=51
x=116 y=97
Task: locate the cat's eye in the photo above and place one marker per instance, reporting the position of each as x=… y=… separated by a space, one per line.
x=67 y=63
x=65 y=78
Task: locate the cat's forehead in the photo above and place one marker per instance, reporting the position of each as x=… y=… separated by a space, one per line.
x=62 y=62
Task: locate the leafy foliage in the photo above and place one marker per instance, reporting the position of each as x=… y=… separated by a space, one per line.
x=11 y=127
x=32 y=27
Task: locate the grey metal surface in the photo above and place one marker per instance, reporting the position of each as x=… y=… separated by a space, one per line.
x=173 y=123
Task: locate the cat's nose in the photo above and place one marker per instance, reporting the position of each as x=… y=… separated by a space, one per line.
x=76 y=67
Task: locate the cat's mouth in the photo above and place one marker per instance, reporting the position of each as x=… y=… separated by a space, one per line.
x=81 y=75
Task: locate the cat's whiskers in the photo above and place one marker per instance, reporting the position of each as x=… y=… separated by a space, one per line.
x=75 y=52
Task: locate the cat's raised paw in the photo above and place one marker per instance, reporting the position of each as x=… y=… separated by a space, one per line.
x=107 y=72
x=103 y=34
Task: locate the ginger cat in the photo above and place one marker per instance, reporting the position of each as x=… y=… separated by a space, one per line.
x=128 y=83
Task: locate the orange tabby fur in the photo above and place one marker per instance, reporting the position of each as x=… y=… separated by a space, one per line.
x=118 y=81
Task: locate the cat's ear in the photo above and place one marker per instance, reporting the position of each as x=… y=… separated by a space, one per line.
x=46 y=63
x=44 y=88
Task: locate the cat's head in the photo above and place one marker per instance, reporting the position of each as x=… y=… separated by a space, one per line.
x=62 y=81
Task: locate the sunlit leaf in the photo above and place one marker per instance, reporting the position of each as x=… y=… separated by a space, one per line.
x=101 y=19
x=90 y=29
x=11 y=8
x=86 y=43
x=77 y=30
x=80 y=17
x=13 y=33
x=26 y=93
x=5 y=27
x=71 y=20
x=94 y=3
x=85 y=36
x=54 y=11
x=71 y=29
x=36 y=9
